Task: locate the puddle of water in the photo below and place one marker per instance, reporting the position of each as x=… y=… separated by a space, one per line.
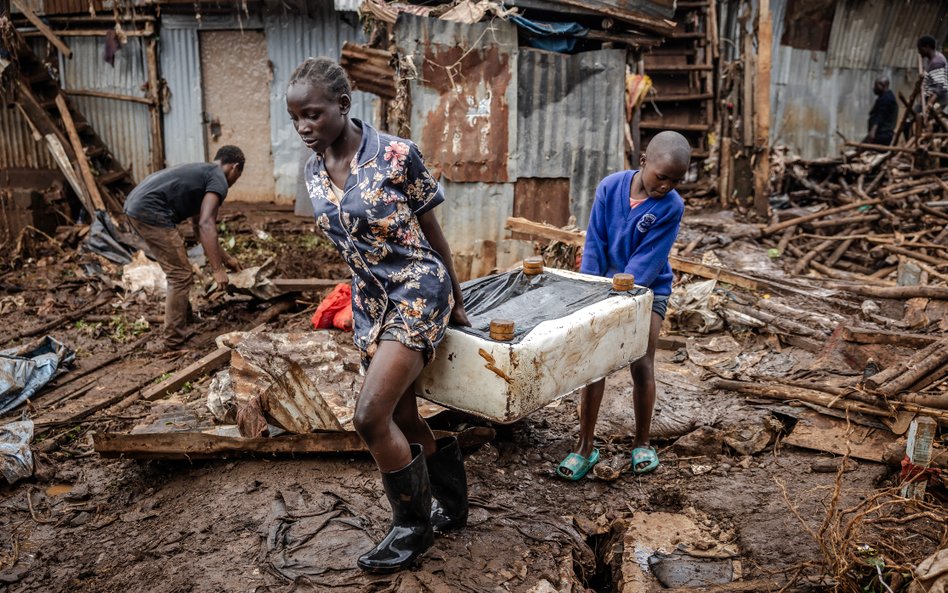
x=58 y=489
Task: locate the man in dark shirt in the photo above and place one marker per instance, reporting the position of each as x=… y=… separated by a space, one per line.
x=169 y=197
x=884 y=114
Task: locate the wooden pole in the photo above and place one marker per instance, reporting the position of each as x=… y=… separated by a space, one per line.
x=39 y=24
x=105 y=95
x=58 y=151
x=823 y=213
x=762 y=109
x=724 y=172
x=154 y=93
x=87 y=176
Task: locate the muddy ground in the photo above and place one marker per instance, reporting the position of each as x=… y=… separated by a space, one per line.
x=88 y=524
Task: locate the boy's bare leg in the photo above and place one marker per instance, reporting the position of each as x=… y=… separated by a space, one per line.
x=392 y=371
x=643 y=385
x=590 y=398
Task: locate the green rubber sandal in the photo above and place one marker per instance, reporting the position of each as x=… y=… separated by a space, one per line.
x=642 y=455
x=577 y=465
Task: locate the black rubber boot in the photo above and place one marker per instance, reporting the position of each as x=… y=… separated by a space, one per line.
x=448 y=486
x=409 y=492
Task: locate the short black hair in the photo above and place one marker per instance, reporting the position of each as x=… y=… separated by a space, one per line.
x=669 y=145
x=927 y=41
x=322 y=73
x=230 y=154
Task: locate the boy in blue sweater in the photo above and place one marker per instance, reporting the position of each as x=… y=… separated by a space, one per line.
x=632 y=228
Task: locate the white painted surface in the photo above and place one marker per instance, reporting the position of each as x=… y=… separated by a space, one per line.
x=504 y=382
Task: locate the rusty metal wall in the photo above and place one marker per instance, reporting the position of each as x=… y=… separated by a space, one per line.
x=818 y=96
x=180 y=60
x=125 y=127
x=463 y=101
x=291 y=38
x=570 y=118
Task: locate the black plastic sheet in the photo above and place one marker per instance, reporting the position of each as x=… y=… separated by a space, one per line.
x=111 y=242
x=528 y=301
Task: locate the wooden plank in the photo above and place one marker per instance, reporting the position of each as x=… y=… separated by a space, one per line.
x=197 y=445
x=305 y=284
x=157 y=140
x=207 y=363
x=713 y=273
x=762 y=109
x=58 y=151
x=81 y=157
x=832 y=435
x=545 y=231
x=821 y=214
x=895 y=292
x=90 y=404
x=46 y=31
x=105 y=95
x=877 y=336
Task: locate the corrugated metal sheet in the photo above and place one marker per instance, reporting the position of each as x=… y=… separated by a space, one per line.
x=478 y=211
x=463 y=102
x=570 y=118
x=872 y=34
x=291 y=38
x=18 y=148
x=815 y=100
x=347 y=5
x=181 y=68
x=124 y=126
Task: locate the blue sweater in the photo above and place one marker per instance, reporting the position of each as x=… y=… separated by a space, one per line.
x=636 y=241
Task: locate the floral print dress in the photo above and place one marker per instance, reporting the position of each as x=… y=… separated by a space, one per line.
x=401 y=289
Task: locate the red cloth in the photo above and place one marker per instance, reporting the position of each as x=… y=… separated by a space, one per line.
x=910 y=471
x=335 y=310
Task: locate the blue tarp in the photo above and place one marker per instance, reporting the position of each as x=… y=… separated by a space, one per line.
x=558 y=37
x=25 y=370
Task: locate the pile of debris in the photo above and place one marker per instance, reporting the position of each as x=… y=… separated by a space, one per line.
x=875 y=218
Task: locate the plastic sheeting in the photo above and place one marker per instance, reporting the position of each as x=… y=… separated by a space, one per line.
x=24 y=370
x=528 y=300
x=109 y=241
x=558 y=37
x=16 y=459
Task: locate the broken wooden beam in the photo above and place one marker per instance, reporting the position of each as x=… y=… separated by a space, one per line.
x=713 y=273
x=860 y=335
x=895 y=292
x=206 y=364
x=186 y=446
x=545 y=231
x=46 y=31
x=817 y=215
x=81 y=157
x=789 y=393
